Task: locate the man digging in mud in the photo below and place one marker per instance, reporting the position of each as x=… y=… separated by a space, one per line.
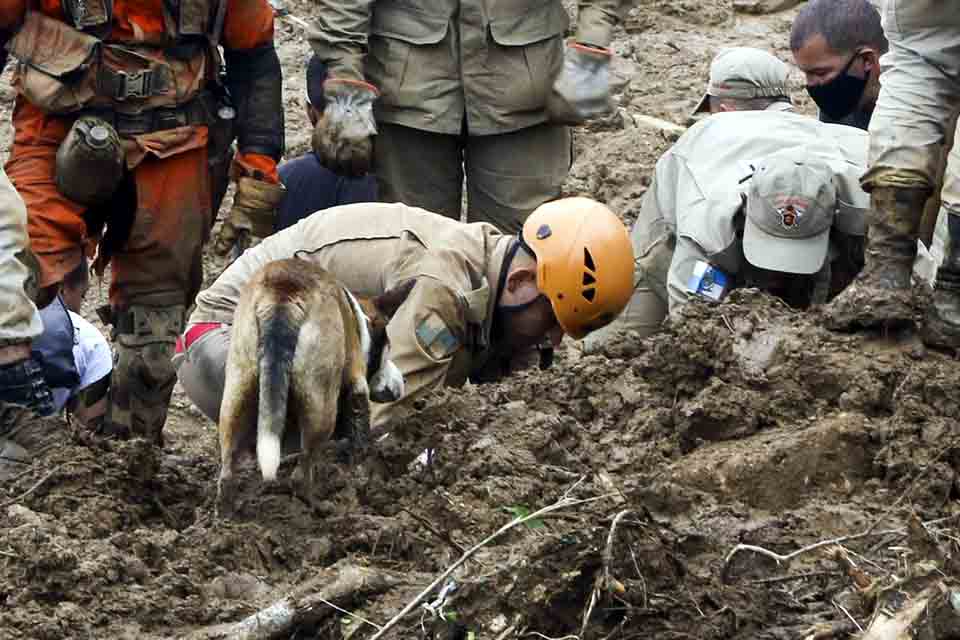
x=766 y=199
x=746 y=79
x=483 y=300
x=918 y=97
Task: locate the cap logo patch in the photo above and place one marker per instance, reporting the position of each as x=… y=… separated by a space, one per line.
x=790 y=216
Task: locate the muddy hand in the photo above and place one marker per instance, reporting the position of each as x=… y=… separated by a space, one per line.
x=343 y=136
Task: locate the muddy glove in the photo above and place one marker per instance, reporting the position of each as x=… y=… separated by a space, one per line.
x=582 y=90
x=343 y=136
x=252 y=215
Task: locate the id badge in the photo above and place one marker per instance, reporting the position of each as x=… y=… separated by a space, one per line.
x=708 y=282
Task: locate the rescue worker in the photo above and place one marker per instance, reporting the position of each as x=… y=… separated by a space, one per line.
x=123 y=118
x=482 y=299
x=837 y=45
x=21 y=376
x=766 y=199
x=746 y=79
x=478 y=88
x=918 y=97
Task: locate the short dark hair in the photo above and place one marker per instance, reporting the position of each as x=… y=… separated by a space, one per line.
x=316 y=76
x=844 y=24
x=79 y=277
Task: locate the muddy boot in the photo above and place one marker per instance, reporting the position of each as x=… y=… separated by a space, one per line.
x=22 y=434
x=143 y=375
x=881 y=295
x=941 y=327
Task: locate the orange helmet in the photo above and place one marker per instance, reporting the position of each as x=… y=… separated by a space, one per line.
x=584 y=262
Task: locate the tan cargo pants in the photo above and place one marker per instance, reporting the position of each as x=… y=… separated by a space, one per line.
x=19 y=319
x=920 y=92
x=507 y=175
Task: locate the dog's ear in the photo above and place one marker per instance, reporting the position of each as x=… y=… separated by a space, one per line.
x=389 y=302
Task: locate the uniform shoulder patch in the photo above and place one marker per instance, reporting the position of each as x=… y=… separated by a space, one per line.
x=435 y=337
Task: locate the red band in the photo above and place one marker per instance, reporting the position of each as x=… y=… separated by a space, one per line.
x=194 y=333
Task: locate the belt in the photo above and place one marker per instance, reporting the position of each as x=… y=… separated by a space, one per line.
x=199 y=110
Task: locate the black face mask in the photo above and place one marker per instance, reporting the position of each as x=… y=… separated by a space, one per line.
x=839 y=97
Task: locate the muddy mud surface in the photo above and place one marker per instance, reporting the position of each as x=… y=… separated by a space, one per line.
x=747 y=424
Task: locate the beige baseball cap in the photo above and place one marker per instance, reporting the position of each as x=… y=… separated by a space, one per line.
x=791 y=205
x=745 y=72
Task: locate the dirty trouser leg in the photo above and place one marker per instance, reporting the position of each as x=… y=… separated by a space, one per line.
x=155 y=277
x=511 y=174
x=420 y=168
x=942 y=319
x=19 y=319
x=920 y=92
x=202 y=370
x=56 y=226
x=21 y=380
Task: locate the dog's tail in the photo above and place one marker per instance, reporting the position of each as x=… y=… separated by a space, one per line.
x=278 y=343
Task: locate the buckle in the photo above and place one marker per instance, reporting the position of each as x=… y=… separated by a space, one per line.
x=133 y=85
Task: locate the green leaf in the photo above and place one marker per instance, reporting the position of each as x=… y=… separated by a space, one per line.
x=450 y=616
x=521 y=511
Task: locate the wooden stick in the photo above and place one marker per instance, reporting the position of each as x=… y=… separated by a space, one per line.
x=561 y=504
x=790 y=556
x=307 y=605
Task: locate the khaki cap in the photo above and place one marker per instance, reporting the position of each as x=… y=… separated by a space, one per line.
x=745 y=72
x=791 y=205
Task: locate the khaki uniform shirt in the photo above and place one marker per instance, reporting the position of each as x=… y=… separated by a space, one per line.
x=440 y=63
x=700 y=183
x=441 y=334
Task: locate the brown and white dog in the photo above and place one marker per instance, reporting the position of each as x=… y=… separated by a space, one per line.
x=302 y=351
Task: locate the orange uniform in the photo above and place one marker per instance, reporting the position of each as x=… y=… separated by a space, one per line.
x=148 y=71
x=159 y=263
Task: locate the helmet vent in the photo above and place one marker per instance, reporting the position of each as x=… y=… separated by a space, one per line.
x=588 y=260
x=589 y=291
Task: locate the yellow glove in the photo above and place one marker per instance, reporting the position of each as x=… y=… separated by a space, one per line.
x=253 y=213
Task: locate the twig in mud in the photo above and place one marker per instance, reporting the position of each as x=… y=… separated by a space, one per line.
x=608 y=549
x=507 y=632
x=797 y=576
x=591 y=603
x=560 y=504
x=604 y=580
x=913 y=485
x=727 y=322
x=352 y=615
x=446 y=537
x=847 y=613
x=566 y=494
x=790 y=556
x=9 y=554
x=36 y=486
x=540 y=635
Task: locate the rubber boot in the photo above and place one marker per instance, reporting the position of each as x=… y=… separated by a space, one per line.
x=143 y=376
x=881 y=294
x=23 y=434
x=941 y=327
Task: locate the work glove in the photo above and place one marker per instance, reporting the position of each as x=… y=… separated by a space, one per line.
x=343 y=136
x=252 y=215
x=582 y=90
